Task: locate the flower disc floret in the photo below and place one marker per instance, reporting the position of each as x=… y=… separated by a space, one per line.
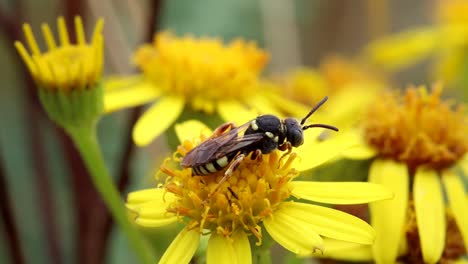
x=417 y=129
x=203 y=67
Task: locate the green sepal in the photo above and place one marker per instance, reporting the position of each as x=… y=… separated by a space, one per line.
x=75 y=108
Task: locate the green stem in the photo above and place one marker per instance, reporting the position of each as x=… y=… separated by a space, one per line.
x=85 y=141
x=262 y=254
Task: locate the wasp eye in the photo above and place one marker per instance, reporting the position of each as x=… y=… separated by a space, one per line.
x=296 y=138
x=294 y=132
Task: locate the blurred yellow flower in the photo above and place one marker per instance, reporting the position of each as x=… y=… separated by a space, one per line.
x=67 y=66
x=350 y=85
x=68 y=76
x=256 y=196
x=403 y=49
x=447 y=40
x=202 y=74
x=419 y=143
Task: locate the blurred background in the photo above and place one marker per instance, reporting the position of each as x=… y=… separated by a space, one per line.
x=50 y=210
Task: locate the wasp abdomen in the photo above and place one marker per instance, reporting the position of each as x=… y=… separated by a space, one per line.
x=211 y=167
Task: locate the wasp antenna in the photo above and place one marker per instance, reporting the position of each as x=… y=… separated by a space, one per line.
x=322 y=126
x=314 y=109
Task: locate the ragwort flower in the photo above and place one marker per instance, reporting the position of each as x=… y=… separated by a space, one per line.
x=68 y=78
x=419 y=143
x=67 y=75
x=188 y=73
x=257 y=194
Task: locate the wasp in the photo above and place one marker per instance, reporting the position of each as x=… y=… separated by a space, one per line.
x=229 y=145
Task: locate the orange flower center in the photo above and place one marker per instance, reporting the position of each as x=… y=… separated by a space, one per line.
x=201 y=70
x=417 y=129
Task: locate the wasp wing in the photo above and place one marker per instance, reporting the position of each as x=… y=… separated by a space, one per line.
x=219 y=146
x=238 y=144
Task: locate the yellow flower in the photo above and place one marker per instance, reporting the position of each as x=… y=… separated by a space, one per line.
x=403 y=49
x=447 y=40
x=257 y=197
x=351 y=87
x=67 y=75
x=419 y=143
x=201 y=74
x=453 y=55
x=67 y=66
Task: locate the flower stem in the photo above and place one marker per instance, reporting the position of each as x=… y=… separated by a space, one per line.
x=262 y=254
x=85 y=141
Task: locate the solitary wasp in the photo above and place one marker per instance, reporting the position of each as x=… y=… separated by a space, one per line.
x=230 y=144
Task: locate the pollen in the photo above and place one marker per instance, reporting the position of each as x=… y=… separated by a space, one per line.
x=252 y=193
x=64 y=66
x=203 y=70
x=417 y=128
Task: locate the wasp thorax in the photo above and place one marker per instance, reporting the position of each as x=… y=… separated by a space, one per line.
x=293 y=132
x=251 y=194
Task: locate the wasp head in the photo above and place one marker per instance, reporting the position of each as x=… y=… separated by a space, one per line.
x=293 y=132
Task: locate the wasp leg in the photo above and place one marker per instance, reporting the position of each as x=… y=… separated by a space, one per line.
x=228 y=172
x=223 y=129
x=257 y=154
x=233 y=193
x=285 y=146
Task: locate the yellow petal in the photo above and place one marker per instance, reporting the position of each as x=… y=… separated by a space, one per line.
x=190 y=129
x=220 y=250
x=63 y=33
x=233 y=111
x=263 y=106
x=292 y=234
x=296 y=109
x=152 y=223
x=31 y=40
x=403 y=49
x=389 y=226
x=315 y=153
x=157 y=119
x=430 y=214
x=458 y=202
x=242 y=248
x=327 y=222
x=139 y=94
x=121 y=82
x=155 y=209
x=182 y=248
x=146 y=195
x=347 y=106
x=149 y=207
x=359 y=152
x=340 y=192
x=347 y=251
